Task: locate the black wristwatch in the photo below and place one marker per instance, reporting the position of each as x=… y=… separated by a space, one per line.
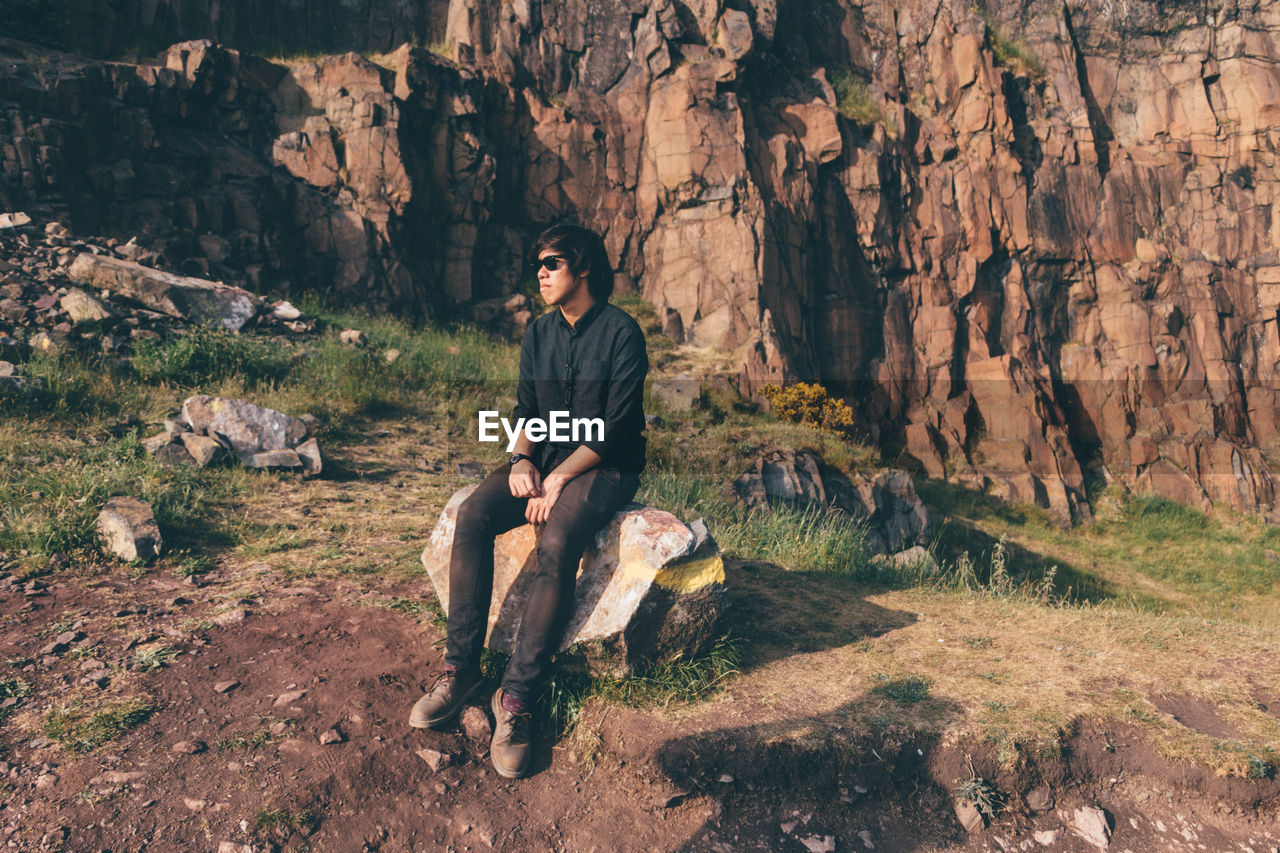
x=516 y=457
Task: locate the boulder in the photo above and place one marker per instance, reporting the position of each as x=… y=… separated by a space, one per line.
x=249 y=428
x=203 y=449
x=650 y=588
x=128 y=529
x=309 y=453
x=209 y=303
x=679 y=394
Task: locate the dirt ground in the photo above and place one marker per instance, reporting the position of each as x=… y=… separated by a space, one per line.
x=280 y=711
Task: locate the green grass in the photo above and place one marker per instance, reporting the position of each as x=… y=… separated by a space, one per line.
x=1013 y=54
x=854 y=102
x=280 y=821
x=908 y=690
x=80 y=731
x=12 y=688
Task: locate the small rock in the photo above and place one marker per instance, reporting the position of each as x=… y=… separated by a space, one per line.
x=352 y=337
x=1040 y=799
x=70 y=637
x=865 y=836
x=194 y=804
x=157 y=442
x=128 y=529
x=189 y=747
x=203 y=449
x=471 y=469
x=309 y=453
x=1091 y=824
x=435 y=758
x=15 y=219
x=968 y=815
x=819 y=843
x=331 y=736
x=284 y=310
x=225 y=686
x=232 y=847
x=273 y=459
x=289 y=697
x=1047 y=837
x=39 y=743
x=83 y=308
x=725 y=779
x=475 y=722
x=45 y=781
x=54 y=648
x=390 y=356
x=120 y=777
x=231 y=617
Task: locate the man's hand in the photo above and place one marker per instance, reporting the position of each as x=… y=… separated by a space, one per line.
x=524 y=480
x=539 y=509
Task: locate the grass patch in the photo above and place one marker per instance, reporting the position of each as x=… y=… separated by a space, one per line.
x=152 y=657
x=908 y=690
x=248 y=742
x=80 y=731
x=280 y=821
x=205 y=357
x=1013 y=54
x=12 y=688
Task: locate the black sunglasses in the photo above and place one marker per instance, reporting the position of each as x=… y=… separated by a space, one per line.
x=550 y=263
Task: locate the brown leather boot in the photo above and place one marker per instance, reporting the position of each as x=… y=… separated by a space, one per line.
x=445 y=698
x=512 y=745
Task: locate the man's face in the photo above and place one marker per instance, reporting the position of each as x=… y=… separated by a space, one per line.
x=557 y=286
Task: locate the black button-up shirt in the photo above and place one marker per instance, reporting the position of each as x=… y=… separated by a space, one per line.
x=594 y=369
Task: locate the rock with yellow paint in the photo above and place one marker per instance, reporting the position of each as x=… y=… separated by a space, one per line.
x=650 y=588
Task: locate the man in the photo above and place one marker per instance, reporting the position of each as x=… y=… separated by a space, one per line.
x=587 y=358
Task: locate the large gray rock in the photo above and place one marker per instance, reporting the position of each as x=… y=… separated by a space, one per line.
x=83 y=308
x=209 y=303
x=650 y=587
x=128 y=529
x=247 y=427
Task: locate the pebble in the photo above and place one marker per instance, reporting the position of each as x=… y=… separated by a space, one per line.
x=231 y=617
x=968 y=815
x=289 y=697
x=188 y=747
x=1047 y=837
x=331 y=736
x=1091 y=824
x=475 y=722
x=119 y=777
x=46 y=780
x=819 y=843
x=193 y=804
x=1040 y=799
x=435 y=758
x=225 y=686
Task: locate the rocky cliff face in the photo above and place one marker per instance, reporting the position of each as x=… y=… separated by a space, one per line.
x=1032 y=244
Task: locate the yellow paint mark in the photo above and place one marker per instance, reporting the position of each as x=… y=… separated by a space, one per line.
x=691 y=576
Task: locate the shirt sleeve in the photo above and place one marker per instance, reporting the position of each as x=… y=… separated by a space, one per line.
x=526 y=393
x=624 y=404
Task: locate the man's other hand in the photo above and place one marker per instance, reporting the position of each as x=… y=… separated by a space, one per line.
x=539 y=509
x=524 y=480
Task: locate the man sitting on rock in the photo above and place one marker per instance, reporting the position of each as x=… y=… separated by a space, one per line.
x=588 y=359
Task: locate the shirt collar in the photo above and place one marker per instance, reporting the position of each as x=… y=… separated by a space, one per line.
x=585 y=320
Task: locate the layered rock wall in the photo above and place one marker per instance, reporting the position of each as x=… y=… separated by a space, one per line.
x=1032 y=244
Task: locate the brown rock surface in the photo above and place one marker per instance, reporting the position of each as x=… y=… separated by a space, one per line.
x=1022 y=269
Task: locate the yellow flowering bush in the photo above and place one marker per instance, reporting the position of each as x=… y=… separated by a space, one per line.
x=809 y=403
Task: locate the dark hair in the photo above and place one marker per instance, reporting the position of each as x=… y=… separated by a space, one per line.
x=585 y=252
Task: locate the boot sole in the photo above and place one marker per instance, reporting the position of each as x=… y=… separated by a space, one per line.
x=418 y=722
x=495 y=705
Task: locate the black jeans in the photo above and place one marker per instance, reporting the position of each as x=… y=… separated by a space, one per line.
x=585 y=505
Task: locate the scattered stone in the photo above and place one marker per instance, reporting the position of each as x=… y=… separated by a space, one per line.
x=39 y=743
x=204 y=450
x=309 y=453
x=233 y=847
x=1047 y=837
x=916 y=558
x=54 y=648
x=157 y=442
x=273 y=459
x=225 y=686
x=175 y=426
x=120 y=777
x=475 y=470
x=725 y=779
x=289 y=697
x=968 y=815
x=435 y=758
x=391 y=356
x=174 y=455
x=1092 y=826
x=42 y=342
x=194 y=804
x=284 y=310
x=83 y=308
x=248 y=428
x=651 y=587
x=189 y=747
x=331 y=736
x=128 y=529
x=819 y=843
x=865 y=836
x=352 y=337
x=231 y=617
x=475 y=722
x=14 y=220
x=206 y=302
x=45 y=781
x=1040 y=799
